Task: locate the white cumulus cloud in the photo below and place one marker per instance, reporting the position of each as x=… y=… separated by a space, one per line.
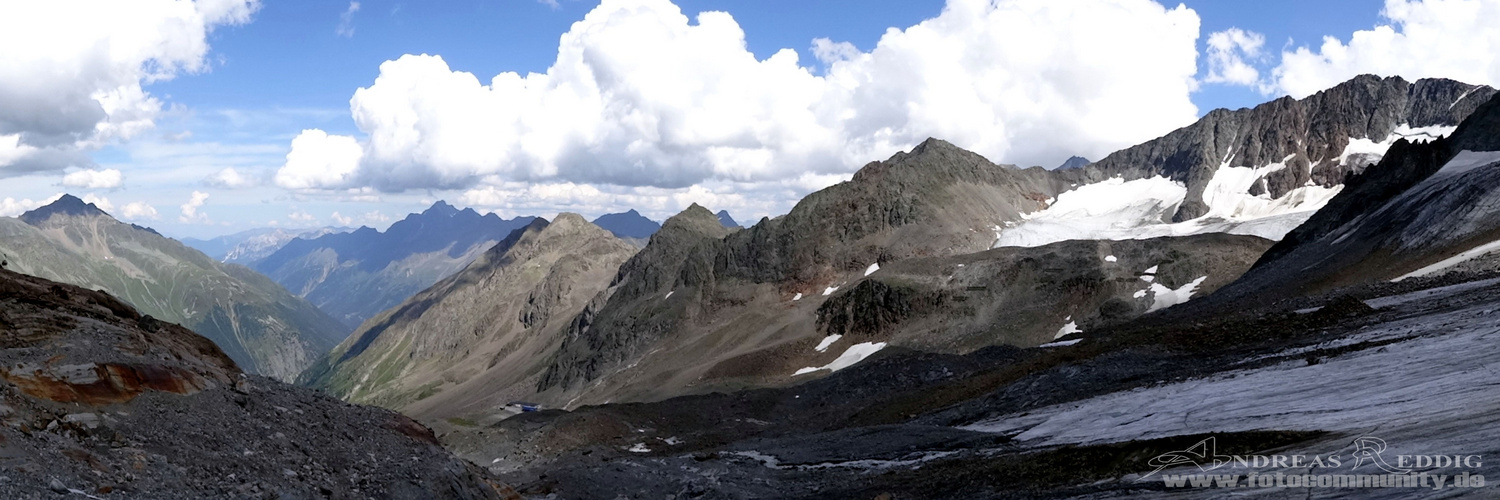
x=319 y=160
x=190 y=211
x=11 y=207
x=1454 y=39
x=139 y=210
x=94 y=179
x=341 y=219
x=71 y=72
x=229 y=178
x=1227 y=54
x=99 y=201
x=643 y=96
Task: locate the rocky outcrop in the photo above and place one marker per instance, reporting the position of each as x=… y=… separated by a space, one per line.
x=479 y=339
x=98 y=400
x=1311 y=136
x=1026 y=296
x=262 y=327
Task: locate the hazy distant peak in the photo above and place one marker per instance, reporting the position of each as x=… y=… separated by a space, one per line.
x=726 y=220
x=1074 y=162
x=628 y=224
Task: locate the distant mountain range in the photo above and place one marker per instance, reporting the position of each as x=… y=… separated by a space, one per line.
x=356 y=275
x=248 y=247
x=255 y=321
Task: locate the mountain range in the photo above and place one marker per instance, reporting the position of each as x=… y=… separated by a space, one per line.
x=354 y=276
x=263 y=328
x=901 y=256
x=248 y=247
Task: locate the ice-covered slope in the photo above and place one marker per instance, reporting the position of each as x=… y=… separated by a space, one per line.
x=1260 y=171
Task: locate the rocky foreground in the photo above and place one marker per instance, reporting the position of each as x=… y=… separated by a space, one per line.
x=100 y=401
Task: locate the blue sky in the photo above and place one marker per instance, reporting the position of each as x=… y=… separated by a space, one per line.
x=295 y=65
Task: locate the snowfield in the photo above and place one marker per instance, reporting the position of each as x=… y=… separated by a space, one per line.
x=1117 y=209
x=1140 y=209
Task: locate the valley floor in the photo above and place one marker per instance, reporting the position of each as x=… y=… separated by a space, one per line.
x=1085 y=420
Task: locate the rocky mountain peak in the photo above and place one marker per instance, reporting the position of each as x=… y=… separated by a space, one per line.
x=695 y=218
x=933 y=145
x=66 y=205
x=568 y=220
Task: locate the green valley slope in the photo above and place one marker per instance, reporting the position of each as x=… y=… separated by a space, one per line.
x=256 y=322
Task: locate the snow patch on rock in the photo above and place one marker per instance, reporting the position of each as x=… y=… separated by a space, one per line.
x=852 y=355
x=1164 y=297
x=1071 y=327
